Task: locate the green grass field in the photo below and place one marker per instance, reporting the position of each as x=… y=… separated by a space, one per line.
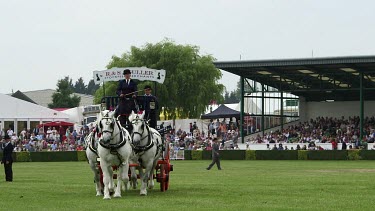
x=241 y=185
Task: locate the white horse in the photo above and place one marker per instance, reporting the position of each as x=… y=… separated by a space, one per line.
x=114 y=149
x=91 y=142
x=147 y=148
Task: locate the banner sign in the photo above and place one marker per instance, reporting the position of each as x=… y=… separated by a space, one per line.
x=139 y=73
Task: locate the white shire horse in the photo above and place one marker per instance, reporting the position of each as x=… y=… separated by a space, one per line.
x=91 y=142
x=147 y=148
x=114 y=149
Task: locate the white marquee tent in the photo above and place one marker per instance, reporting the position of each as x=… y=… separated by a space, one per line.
x=20 y=114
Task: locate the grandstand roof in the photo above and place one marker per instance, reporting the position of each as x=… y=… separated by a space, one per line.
x=316 y=79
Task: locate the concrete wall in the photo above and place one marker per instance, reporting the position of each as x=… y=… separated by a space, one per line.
x=335 y=109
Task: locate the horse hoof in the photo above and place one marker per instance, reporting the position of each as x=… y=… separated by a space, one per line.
x=117 y=196
x=99 y=194
x=143 y=193
x=107 y=198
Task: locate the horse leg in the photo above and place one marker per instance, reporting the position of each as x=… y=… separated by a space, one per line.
x=151 y=183
x=133 y=177
x=106 y=180
x=95 y=169
x=145 y=177
x=111 y=186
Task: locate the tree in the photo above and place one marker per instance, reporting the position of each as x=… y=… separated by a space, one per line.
x=247 y=88
x=64 y=97
x=191 y=79
x=231 y=97
x=80 y=86
x=91 y=87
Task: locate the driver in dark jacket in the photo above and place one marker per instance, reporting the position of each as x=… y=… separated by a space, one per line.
x=127 y=91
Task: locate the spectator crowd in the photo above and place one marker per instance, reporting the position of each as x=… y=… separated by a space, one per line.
x=307 y=135
x=53 y=139
x=322 y=130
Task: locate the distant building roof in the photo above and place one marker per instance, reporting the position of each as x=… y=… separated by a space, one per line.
x=22 y=96
x=44 y=97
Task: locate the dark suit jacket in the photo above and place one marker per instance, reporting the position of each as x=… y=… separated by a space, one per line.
x=125 y=89
x=7 y=153
x=215 y=150
x=146 y=103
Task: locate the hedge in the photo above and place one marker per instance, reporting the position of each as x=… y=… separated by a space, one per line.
x=53 y=156
x=81 y=156
x=367 y=154
x=354 y=155
x=250 y=155
x=276 y=155
x=196 y=154
x=187 y=154
x=224 y=155
x=327 y=155
x=302 y=155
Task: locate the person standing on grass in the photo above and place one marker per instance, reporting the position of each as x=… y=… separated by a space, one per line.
x=7 y=159
x=215 y=155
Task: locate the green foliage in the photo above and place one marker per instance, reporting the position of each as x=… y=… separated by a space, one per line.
x=23 y=156
x=231 y=97
x=187 y=154
x=367 y=154
x=191 y=78
x=110 y=90
x=327 y=155
x=250 y=155
x=302 y=154
x=64 y=97
x=354 y=155
x=81 y=156
x=196 y=154
x=232 y=154
x=276 y=155
x=53 y=156
x=207 y=155
x=92 y=87
x=80 y=86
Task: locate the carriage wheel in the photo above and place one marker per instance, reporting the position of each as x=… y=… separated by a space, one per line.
x=162 y=178
x=166 y=184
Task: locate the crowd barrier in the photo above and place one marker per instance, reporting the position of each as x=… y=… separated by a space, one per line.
x=207 y=155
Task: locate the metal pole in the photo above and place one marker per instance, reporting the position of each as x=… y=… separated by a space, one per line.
x=242 y=109
x=361 y=106
x=155 y=88
x=262 y=120
x=282 y=110
x=103 y=89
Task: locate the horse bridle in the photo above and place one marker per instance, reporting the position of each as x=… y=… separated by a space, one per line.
x=143 y=129
x=112 y=125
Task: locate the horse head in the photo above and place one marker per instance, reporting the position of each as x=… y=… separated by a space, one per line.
x=139 y=127
x=106 y=126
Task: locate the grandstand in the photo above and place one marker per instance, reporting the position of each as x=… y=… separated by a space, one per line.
x=318 y=87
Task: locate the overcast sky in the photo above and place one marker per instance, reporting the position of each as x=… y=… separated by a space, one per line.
x=42 y=41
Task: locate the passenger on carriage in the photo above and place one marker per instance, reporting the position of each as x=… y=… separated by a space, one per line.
x=150 y=106
x=127 y=91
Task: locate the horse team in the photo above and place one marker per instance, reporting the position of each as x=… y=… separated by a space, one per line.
x=115 y=146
